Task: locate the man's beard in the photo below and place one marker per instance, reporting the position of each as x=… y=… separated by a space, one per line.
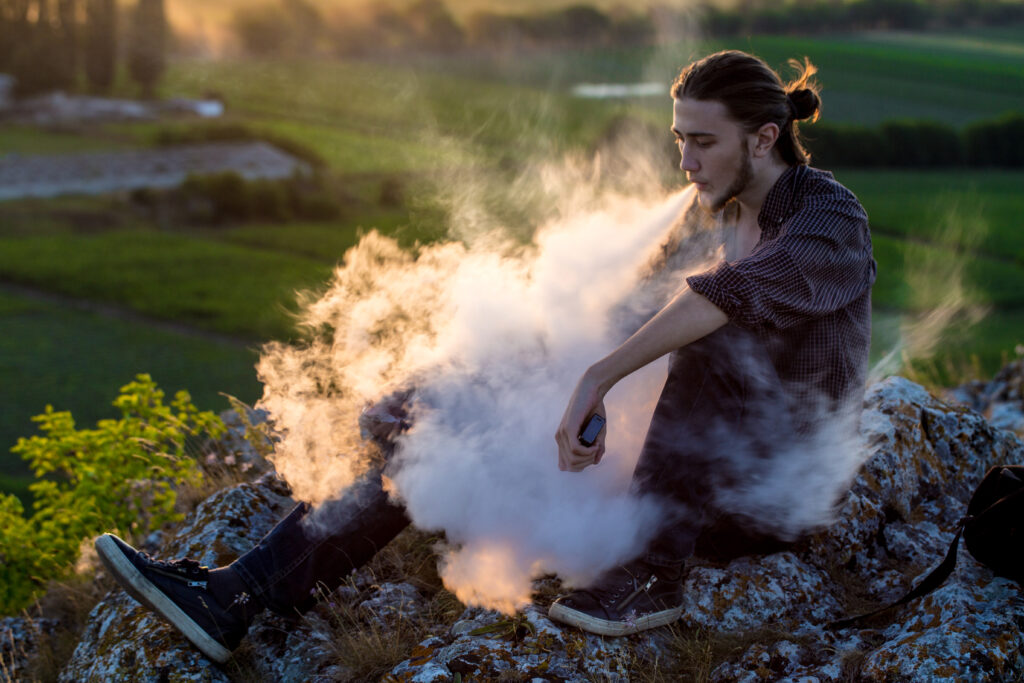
x=744 y=175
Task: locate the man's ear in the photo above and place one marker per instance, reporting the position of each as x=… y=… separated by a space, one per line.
x=764 y=139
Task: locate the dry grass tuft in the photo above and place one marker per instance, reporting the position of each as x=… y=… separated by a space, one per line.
x=409 y=558
x=369 y=645
x=365 y=646
x=68 y=602
x=691 y=655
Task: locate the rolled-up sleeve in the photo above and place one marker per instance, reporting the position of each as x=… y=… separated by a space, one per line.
x=819 y=262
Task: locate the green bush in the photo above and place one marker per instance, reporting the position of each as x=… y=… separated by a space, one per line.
x=833 y=145
x=918 y=144
x=996 y=143
x=223 y=198
x=120 y=476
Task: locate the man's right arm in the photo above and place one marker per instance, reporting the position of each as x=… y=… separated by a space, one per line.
x=687 y=318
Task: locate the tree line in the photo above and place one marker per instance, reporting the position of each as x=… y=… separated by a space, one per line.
x=268 y=27
x=995 y=143
x=53 y=44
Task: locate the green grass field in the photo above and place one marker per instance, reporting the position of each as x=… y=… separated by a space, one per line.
x=972 y=209
x=56 y=354
x=387 y=123
x=201 y=282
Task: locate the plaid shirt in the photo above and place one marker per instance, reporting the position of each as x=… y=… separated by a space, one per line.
x=805 y=290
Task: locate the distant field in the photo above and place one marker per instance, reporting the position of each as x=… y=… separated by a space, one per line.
x=971 y=208
x=30 y=140
x=868 y=78
x=365 y=117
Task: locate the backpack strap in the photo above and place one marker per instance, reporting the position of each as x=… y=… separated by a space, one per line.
x=930 y=582
x=938 y=575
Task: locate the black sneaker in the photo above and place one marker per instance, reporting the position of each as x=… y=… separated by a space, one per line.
x=178 y=592
x=628 y=599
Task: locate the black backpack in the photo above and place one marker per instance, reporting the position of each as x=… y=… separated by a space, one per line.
x=993 y=530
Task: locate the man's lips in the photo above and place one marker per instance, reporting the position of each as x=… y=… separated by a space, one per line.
x=699 y=185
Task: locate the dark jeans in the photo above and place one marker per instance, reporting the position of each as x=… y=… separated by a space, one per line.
x=720 y=392
x=722 y=415
x=307 y=551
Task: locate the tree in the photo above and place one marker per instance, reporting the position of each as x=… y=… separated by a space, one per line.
x=434 y=25
x=147 y=45
x=263 y=29
x=38 y=58
x=67 y=33
x=100 y=43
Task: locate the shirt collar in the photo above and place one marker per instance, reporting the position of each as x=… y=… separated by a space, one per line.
x=778 y=204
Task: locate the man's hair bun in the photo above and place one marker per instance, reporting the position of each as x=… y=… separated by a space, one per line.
x=804 y=103
x=802 y=93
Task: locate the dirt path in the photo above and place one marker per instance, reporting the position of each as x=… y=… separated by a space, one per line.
x=49 y=175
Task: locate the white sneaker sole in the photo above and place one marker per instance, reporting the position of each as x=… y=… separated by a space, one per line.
x=140 y=588
x=603 y=627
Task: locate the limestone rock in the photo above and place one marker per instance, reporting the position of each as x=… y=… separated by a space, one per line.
x=528 y=646
x=19 y=639
x=752 y=593
x=125 y=642
x=393 y=601
x=1001 y=400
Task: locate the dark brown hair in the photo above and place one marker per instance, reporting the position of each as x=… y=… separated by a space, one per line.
x=754 y=95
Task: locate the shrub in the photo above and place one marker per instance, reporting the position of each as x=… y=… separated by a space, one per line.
x=996 y=143
x=120 y=476
x=229 y=198
x=921 y=144
x=838 y=145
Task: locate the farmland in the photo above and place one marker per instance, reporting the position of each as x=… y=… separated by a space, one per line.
x=94 y=291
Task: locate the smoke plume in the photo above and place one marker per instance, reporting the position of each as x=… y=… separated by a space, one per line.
x=491 y=334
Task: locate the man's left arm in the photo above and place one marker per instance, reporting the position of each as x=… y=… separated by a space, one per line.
x=819 y=264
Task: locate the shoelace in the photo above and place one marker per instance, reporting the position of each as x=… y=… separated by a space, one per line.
x=610 y=594
x=183 y=568
x=185 y=564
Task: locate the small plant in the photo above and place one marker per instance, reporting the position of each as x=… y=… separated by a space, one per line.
x=120 y=476
x=514 y=628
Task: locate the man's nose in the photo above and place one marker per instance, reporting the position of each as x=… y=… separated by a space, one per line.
x=688 y=162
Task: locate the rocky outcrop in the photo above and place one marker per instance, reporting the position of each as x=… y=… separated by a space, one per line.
x=1000 y=400
x=755 y=618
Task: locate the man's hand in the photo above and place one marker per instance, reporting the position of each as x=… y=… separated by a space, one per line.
x=688 y=317
x=573 y=456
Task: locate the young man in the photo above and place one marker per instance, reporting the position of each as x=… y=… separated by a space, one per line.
x=784 y=318
x=767 y=346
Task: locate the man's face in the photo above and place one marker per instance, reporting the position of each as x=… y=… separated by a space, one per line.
x=714 y=150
